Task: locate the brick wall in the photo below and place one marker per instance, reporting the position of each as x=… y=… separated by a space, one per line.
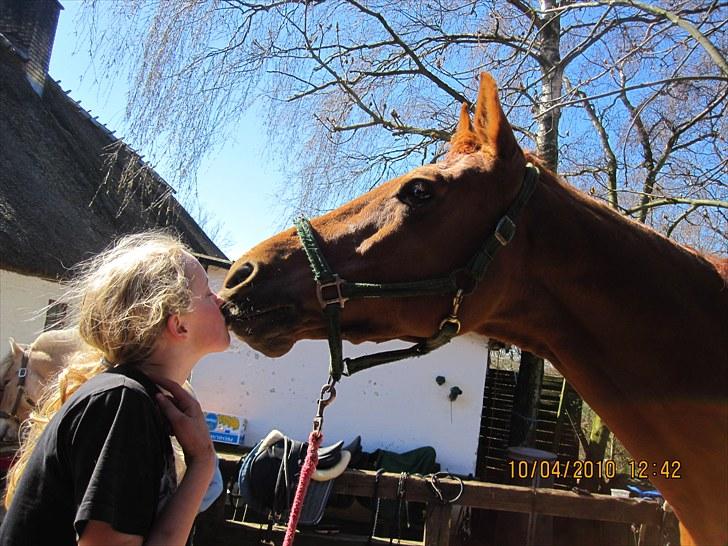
x=30 y=25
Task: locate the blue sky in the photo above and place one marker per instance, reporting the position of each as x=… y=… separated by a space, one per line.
x=235 y=185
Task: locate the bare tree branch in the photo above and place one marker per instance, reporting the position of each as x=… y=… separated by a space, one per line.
x=353 y=92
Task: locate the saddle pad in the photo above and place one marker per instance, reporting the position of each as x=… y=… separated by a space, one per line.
x=314 y=504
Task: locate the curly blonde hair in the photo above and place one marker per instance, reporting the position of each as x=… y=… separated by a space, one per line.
x=120 y=301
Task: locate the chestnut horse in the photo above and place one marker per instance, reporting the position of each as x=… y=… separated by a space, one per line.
x=635 y=322
x=40 y=361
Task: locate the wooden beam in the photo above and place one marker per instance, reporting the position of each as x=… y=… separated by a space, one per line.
x=511 y=498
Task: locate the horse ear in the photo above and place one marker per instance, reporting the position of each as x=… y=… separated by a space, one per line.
x=464 y=140
x=15 y=348
x=491 y=124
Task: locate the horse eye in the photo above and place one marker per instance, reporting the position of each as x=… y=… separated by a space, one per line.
x=416 y=193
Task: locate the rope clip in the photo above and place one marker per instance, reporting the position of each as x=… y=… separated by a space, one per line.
x=323 y=401
x=452 y=318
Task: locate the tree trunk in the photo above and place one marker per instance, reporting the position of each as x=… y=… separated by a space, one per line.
x=547 y=145
x=598 y=440
x=552 y=73
x=526 y=400
x=530 y=374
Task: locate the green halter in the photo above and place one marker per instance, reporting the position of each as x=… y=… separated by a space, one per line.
x=461 y=282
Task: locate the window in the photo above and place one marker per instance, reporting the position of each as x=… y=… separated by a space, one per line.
x=55 y=315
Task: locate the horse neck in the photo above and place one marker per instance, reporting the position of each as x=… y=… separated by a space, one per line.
x=607 y=285
x=619 y=309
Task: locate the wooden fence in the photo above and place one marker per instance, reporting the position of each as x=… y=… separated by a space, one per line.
x=548 y=502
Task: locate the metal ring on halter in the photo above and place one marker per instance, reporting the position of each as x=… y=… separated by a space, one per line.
x=451 y=320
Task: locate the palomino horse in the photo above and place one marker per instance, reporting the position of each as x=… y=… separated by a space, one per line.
x=25 y=371
x=635 y=322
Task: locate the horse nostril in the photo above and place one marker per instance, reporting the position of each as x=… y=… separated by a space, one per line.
x=242 y=273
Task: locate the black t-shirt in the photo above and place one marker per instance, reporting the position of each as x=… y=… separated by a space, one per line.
x=106 y=455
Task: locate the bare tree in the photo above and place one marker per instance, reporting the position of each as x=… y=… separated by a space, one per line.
x=625 y=98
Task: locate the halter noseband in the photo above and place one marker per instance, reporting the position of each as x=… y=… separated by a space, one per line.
x=333 y=292
x=22 y=374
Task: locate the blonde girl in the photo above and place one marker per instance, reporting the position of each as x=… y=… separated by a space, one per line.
x=97 y=466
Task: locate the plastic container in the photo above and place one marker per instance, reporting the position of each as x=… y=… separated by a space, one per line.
x=620 y=493
x=227 y=429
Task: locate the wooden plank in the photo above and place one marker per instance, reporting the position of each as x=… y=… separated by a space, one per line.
x=512 y=498
x=437 y=525
x=237 y=533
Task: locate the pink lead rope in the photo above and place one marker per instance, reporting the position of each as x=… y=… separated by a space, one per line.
x=307 y=470
x=309 y=465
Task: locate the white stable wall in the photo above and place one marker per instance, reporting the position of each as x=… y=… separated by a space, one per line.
x=22 y=298
x=396 y=406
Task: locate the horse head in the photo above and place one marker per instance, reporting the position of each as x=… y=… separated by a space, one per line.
x=26 y=370
x=14 y=406
x=425 y=224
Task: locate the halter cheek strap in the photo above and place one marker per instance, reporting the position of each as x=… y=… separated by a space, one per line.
x=333 y=292
x=22 y=374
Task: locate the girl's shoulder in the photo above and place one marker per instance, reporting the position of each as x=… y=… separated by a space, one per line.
x=120 y=377
x=121 y=385
x=118 y=395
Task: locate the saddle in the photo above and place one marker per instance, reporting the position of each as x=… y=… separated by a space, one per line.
x=269 y=475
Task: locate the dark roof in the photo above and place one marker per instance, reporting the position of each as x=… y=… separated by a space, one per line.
x=57 y=205
x=206 y=261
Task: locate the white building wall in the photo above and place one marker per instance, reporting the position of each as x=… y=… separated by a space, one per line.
x=22 y=300
x=396 y=406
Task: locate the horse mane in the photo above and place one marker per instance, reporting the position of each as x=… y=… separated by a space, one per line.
x=60 y=343
x=721 y=266
x=718 y=263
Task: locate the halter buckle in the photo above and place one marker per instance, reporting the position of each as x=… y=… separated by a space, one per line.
x=505 y=230
x=325 y=302
x=22 y=372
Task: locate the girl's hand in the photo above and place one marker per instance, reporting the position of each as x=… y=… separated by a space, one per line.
x=187 y=421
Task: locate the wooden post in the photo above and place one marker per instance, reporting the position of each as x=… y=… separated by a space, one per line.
x=649 y=535
x=437 y=524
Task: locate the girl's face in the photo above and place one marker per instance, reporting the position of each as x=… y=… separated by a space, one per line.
x=205 y=322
